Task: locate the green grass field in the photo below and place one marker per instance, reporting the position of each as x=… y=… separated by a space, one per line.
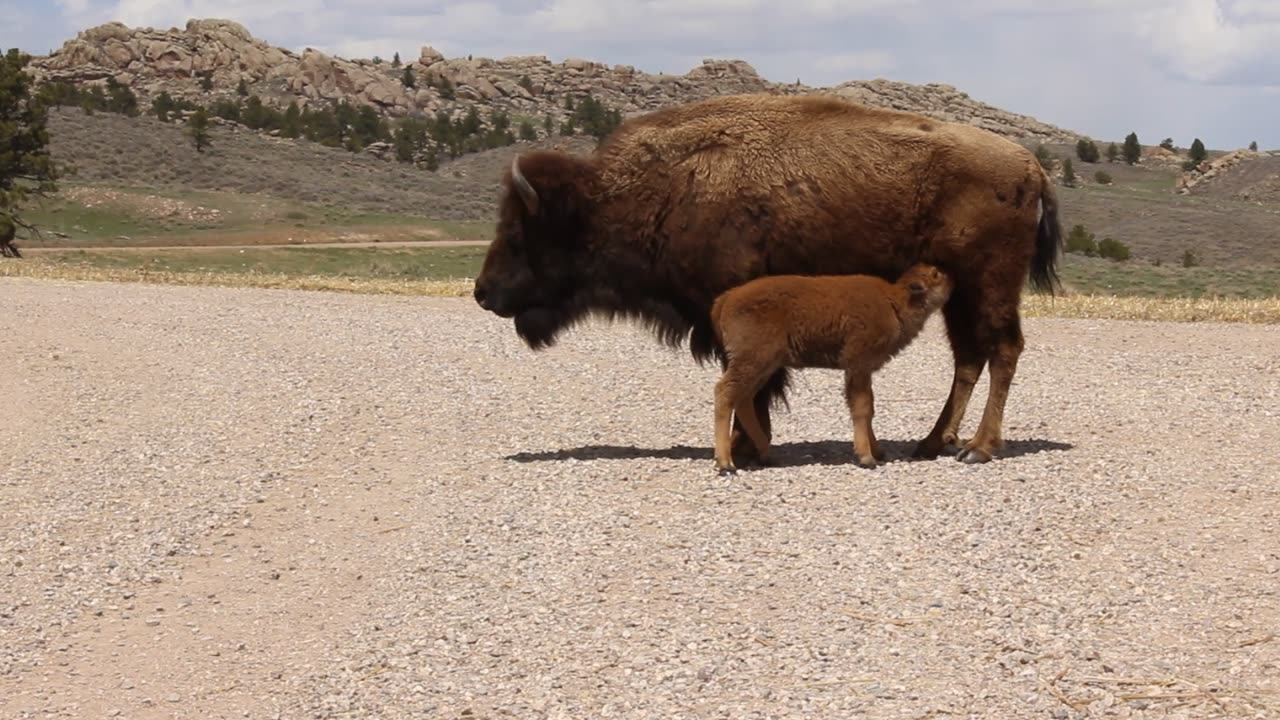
x=92 y=216
x=359 y=262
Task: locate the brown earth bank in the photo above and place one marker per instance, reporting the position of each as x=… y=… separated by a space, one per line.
x=248 y=503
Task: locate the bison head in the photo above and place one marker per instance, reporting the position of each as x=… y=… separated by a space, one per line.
x=537 y=267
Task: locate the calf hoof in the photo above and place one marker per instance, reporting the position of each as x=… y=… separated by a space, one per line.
x=726 y=470
x=974 y=456
x=867 y=462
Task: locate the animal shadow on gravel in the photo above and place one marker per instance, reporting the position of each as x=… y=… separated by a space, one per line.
x=794 y=454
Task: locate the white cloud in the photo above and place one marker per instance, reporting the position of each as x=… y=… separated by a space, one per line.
x=1211 y=42
x=856 y=64
x=171 y=13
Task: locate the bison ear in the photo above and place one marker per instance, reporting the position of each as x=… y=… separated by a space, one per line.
x=527 y=194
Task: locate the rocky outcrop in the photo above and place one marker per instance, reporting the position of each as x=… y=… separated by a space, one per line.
x=210 y=59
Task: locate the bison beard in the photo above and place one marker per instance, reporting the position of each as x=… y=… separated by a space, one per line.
x=682 y=204
x=539 y=326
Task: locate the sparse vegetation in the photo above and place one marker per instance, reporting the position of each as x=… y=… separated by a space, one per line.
x=1253 y=146
x=1190 y=259
x=1167 y=144
x=1080 y=242
x=1112 y=249
x=1102 y=177
x=1087 y=150
x=1044 y=156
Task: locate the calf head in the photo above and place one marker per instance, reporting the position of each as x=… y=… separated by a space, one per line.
x=928 y=285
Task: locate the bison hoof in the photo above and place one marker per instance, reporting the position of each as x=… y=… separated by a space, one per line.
x=880 y=454
x=973 y=456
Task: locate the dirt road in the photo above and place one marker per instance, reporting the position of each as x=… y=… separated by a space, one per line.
x=223 y=503
x=267 y=246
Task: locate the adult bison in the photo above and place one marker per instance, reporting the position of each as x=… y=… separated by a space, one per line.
x=683 y=203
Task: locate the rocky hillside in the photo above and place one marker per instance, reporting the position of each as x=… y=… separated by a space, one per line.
x=212 y=59
x=1245 y=175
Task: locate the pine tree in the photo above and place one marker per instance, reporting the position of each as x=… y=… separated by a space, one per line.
x=1113 y=152
x=198 y=129
x=291 y=125
x=1132 y=149
x=395 y=60
x=1197 y=154
x=407 y=79
x=1068 y=173
x=25 y=166
x=1254 y=146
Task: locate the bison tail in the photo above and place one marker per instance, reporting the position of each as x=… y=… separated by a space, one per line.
x=1044 y=265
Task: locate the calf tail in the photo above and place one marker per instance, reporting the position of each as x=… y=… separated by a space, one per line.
x=1044 y=272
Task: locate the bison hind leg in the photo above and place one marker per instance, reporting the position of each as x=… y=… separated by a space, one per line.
x=970 y=353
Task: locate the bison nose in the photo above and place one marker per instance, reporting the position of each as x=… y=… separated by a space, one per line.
x=481 y=296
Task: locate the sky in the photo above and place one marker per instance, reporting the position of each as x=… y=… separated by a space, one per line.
x=1162 y=68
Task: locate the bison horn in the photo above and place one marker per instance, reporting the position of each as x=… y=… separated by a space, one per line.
x=527 y=193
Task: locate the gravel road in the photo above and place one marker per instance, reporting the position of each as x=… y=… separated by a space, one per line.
x=220 y=503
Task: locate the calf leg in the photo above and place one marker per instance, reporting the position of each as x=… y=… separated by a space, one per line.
x=967 y=348
x=857 y=390
x=736 y=390
x=876 y=451
x=744 y=445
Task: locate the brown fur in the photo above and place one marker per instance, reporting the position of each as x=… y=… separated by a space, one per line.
x=679 y=205
x=855 y=323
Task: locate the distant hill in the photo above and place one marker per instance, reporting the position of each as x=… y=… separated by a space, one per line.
x=213 y=59
x=1141 y=207
x=1228 y=212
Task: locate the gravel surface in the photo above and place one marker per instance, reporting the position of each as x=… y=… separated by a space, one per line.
x=221 y=503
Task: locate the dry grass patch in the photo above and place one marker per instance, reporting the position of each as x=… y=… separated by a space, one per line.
x=1095 y=307
x=1110 y=307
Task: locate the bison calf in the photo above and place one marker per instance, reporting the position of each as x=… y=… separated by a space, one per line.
x=855 y=323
